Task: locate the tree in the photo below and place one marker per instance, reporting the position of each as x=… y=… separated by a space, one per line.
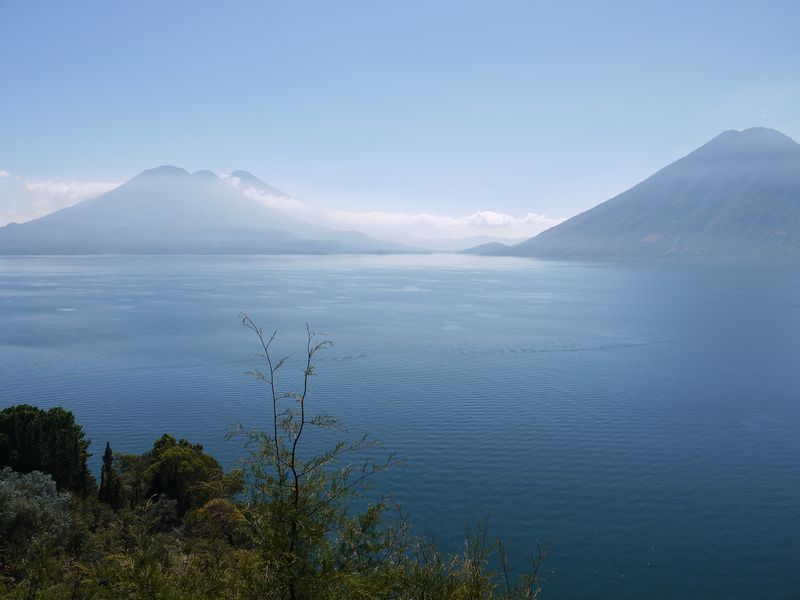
x=32 y=439
x=317 y=533
x=131 y=469
x=183 y=472
x=221 y=519
x=301 y=504
x=110 y=491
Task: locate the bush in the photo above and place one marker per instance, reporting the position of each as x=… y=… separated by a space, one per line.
x=31 y=510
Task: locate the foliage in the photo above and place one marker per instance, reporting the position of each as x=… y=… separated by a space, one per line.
x=130 y=468
x=302 y=504
x=221 y=519
x=110 y=490
x=177 y=469
x=30 y=507
x=34 y=523
x=32 y=439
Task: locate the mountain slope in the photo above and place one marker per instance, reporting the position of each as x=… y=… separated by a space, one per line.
x=738 y=196
x=168 y=210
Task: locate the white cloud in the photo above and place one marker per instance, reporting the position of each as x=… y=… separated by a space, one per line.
x=279 y=202
x=71 y=189
x=283 y=203
x=4 y=173
x=22 y=200
x=485 y=222
x=398 y=225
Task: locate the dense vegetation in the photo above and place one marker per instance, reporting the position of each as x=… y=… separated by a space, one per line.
x=171 y=523
x=50 y=441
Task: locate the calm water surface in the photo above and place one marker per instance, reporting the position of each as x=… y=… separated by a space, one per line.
x=642 y=420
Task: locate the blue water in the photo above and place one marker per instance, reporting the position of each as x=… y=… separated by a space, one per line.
x=642 y=420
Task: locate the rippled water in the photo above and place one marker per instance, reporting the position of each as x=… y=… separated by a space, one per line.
x=642 y=420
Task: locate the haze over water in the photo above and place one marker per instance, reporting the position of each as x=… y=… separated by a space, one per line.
x=641 y=419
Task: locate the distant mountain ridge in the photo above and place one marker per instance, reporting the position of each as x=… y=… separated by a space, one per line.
x=735 y=197
x=167 y=210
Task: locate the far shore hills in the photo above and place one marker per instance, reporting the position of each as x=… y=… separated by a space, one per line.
x=735 y=197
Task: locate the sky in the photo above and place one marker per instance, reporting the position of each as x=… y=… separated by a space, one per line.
x=472 y=118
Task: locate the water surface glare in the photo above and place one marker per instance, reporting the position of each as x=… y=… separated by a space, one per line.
x=643 y=420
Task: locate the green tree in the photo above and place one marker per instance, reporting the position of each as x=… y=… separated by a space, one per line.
x=301 y=504
x=110 y=491
x=321 y=536
x=183 y=472
x=32 y=439
x=131 y=469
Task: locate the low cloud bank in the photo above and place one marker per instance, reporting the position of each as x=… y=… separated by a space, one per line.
x=484 y=222
x=23 y=200
x=69 y=190
x=400 y=226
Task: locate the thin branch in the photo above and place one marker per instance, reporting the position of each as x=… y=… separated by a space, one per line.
x=265 y=345
x=504 y=564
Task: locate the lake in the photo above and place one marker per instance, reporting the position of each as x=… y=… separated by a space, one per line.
x=641 y=420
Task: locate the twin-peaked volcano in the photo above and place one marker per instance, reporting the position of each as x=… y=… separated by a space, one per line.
x=736 y=197
x=168 y=210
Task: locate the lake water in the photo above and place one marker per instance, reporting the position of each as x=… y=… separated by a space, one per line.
x=645 y=421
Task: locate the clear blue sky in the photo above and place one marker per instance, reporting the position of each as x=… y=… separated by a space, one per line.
x=446 y=107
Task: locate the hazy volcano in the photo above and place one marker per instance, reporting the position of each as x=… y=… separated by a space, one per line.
x=168 y=210
x=738 y=196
